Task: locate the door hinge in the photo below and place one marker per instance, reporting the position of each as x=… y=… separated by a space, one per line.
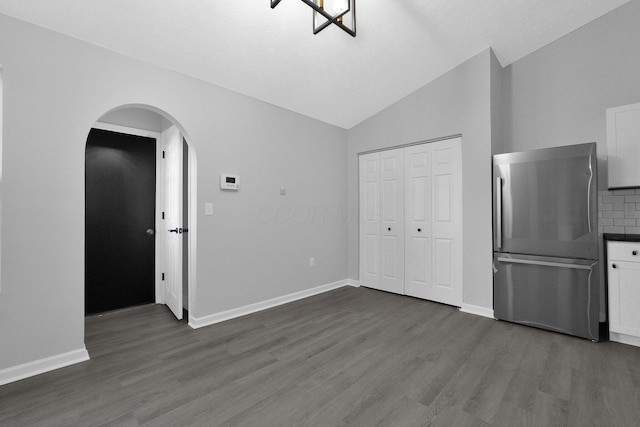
x=163 y=276
x=163 y=215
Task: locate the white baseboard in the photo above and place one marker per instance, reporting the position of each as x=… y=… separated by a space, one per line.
x=624 y=339
x=477 y=310
x=30 y=369
x=354 y=283
x=199 y=322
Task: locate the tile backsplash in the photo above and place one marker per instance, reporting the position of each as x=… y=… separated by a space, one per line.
x=619 y=211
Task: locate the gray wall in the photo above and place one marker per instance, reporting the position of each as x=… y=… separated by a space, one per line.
x=137 y=118
x=456 y=103
x=497 y=140
x=55 y=88
x=558 y=94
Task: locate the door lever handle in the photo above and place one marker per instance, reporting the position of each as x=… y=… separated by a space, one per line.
x=175 y=230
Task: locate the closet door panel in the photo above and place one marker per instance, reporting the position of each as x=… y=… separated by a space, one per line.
x=447 y=221
x=369 y=170
x=418 y=265
x=392 y=214
x=419 y=258
x=443 y=263
x=443 y=200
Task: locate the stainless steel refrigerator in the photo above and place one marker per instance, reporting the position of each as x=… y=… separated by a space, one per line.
x=545 y=239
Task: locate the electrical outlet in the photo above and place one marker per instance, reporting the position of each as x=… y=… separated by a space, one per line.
x=312 y=262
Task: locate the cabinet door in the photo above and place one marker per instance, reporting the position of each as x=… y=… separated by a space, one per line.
x=623 y=134
x=369 y=170
x=624 y=297
x=392 y=221
x=418 y=260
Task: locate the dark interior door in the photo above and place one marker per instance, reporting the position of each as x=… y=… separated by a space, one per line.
x=119 y=221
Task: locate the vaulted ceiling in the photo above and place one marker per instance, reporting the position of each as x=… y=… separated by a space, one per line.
x=272 y=55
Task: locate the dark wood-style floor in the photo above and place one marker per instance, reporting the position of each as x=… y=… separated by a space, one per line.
x=347 y=357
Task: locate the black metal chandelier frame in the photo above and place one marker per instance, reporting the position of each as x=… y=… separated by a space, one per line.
x=329 y=19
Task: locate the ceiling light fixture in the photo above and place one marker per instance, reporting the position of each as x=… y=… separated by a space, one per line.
x=341 y=13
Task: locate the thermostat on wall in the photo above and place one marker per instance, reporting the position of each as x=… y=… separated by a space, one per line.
x=229 y=182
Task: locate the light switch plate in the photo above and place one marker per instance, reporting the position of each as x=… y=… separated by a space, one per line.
x=208 y=209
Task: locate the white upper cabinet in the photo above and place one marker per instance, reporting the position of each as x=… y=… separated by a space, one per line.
x=623 y=146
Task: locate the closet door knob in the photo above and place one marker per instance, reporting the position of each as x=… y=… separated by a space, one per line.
x=389 y=228
x=634 y=253
x=419 y=230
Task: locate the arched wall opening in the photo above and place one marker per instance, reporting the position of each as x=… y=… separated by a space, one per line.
x=170 y=230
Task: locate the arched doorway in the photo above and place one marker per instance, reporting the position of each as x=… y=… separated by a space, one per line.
x=140 y=216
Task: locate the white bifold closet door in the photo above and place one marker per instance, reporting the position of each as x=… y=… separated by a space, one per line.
x=382 y=220
x=411 y=221
x=370 y=229
x=419 y=241
x=433 y=263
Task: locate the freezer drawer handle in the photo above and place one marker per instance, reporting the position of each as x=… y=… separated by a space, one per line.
x=545 y=263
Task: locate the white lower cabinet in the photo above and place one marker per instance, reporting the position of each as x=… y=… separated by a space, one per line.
x=623 y=275
x=411 y=221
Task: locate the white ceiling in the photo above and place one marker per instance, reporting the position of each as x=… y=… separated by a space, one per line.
x=272 y=55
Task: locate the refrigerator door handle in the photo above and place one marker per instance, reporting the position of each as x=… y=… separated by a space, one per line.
x=499 y=212
x=545 y=263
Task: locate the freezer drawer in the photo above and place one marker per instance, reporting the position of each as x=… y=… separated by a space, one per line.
x=557 y=294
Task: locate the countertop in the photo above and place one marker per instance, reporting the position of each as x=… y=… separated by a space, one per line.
x=622 y=237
